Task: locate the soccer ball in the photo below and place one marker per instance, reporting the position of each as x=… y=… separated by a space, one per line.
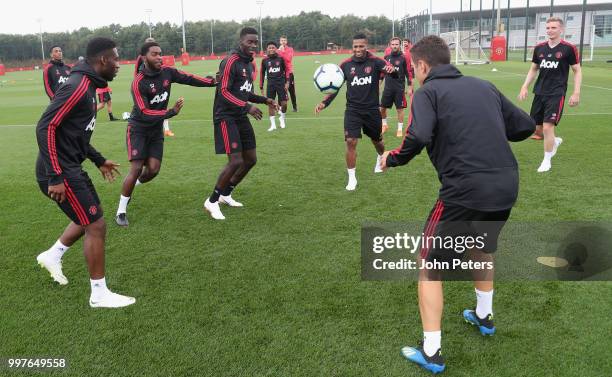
x=328 y=78
x=126 y=115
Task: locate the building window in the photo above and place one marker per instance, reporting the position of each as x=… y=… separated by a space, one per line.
x=568 y=36
x=569 y=18
x=542 y=37
x=543 y=19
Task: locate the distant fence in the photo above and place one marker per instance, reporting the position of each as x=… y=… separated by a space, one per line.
x=197 y=58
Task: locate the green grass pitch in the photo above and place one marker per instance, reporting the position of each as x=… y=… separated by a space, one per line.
x=275 y=290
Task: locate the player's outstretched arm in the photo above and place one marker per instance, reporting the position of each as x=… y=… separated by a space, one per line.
x=519 y=125
x=326 y=102
x=419 y=133
x=190 y=79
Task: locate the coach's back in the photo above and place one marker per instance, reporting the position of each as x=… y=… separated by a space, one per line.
x=465 y=124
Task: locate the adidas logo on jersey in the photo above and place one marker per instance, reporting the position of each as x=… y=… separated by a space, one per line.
x=91 y=125
x=247 y=86
x=548 y=64
x=274 y=70
x=361 y=81
x=159 y=98
x=62 y=79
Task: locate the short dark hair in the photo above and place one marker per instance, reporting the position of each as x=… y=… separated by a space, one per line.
x=248 y=30
x=98 y=45
x=145 y=47
x=52 y=47
x=272 y=43
x=360 y=36
x=432 y=49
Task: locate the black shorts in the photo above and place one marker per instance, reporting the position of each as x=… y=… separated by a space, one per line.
x=275 y=90
x=82 y=204
x=547 y=109
x=392 y=97
x=448 y=221
x=104 y=97
x=369 y=121
x=144 y=142
x=234 y=135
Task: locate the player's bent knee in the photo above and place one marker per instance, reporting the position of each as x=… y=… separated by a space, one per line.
x=250 y=162
x=235 y=162
x=97 y=228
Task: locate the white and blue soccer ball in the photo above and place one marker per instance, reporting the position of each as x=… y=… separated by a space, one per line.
x=328 y=78
x=126 y=115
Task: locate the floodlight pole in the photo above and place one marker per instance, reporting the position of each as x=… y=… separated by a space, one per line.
x=42 y=46
x=584 y=2
x=552 y=4
x=212 y=38
x=526 y=31
x=430 y=17
x=393 y=18
x=260 y=3
x=148 y=11
x=183 y=22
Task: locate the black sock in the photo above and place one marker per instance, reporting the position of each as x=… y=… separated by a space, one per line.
x=215 y=195
x=110 y=116
x=228 y=190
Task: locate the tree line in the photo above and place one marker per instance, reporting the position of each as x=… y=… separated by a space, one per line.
x=307 y=31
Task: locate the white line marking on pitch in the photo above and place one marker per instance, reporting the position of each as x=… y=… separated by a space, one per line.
x=523 y=75
x=187 y=120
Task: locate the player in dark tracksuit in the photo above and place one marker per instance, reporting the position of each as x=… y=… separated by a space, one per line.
x=394 y=92
x=138 y=66
x=56 y=72
x=553 y=59
x=234 y=134
x=273 y=67
x=466 y=138
x=362 y=73
x=63 y=134
x=145 y=138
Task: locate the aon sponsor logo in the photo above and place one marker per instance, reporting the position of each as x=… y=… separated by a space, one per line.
x=62 y=79
x=91 y=125
x=361 y=81
x=159 y=98
x=548 y=64
x=247 y=86
x=274 y=70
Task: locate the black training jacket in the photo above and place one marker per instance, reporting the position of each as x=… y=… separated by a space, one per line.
x=235 y=89
x=65 y=128
x=273 y=68
x=362 y=76
x=151 y=93
x=403 y=67
x=465 y=123
x=55 y=74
